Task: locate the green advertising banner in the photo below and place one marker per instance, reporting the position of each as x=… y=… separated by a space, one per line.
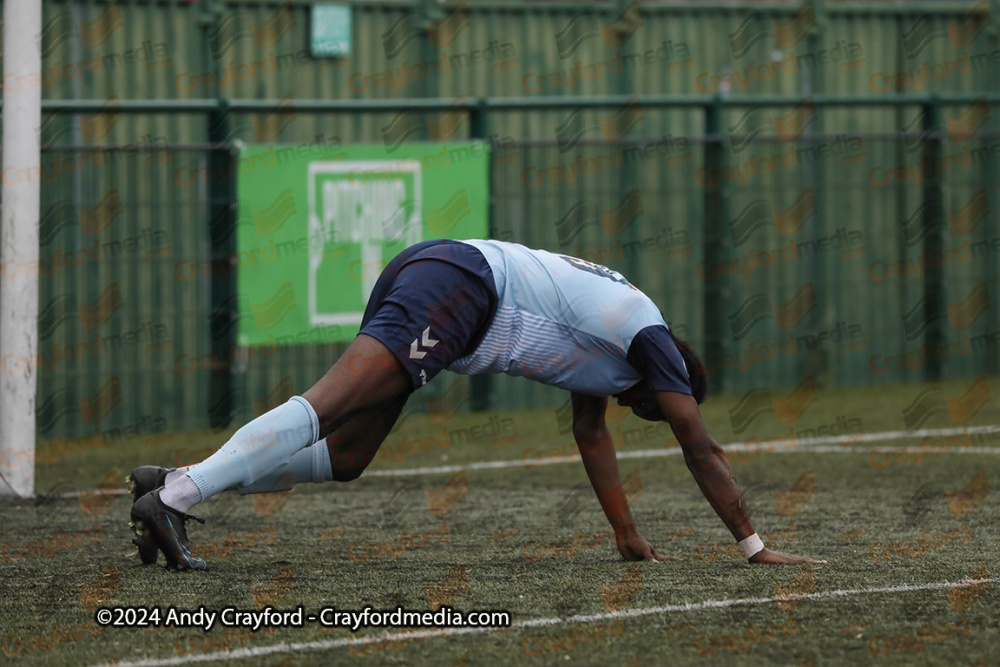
x=315 y=230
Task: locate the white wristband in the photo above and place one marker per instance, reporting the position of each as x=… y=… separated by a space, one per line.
x=752 y=545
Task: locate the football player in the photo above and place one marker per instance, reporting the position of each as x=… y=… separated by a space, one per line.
x=470 y=307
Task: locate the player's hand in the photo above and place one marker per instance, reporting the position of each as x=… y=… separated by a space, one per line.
x=768 y=557
x=634 y=546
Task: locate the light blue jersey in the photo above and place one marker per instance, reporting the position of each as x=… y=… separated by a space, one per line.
x=561 y=321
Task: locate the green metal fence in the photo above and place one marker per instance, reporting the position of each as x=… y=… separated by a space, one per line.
x=844 y=257
x=630 y=146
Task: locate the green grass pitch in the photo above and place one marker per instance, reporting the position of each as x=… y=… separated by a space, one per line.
x=531 y=539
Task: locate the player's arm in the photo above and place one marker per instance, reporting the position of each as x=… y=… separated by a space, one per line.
x=599 y=460
x=708 y=464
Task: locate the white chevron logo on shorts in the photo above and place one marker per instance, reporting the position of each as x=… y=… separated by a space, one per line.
x=426 y=341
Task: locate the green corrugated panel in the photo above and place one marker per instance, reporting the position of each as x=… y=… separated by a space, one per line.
x=171 y=40
x=186 y=41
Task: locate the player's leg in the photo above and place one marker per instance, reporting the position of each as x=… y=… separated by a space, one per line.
x=366 y=377
x=353 y=446
x=350 y=445
x=336 y=398
x=342 y=456
x=308 y=465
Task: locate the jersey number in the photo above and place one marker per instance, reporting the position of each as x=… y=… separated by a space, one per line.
x=598 y=270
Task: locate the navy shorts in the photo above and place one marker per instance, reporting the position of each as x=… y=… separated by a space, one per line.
x=432 y=305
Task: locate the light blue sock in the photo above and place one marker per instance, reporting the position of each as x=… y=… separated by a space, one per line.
x=309 y=465
x=258 y=450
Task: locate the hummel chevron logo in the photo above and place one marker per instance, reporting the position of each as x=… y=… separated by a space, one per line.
x=426 y=341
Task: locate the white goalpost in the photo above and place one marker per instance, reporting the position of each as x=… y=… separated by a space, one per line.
x=22 y=101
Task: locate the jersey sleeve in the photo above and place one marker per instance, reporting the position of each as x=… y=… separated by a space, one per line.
x=655 y=355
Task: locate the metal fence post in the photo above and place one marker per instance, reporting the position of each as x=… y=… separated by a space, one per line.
x=481 y=386
x=932 y=197
x=222 y=232
x=432 y=14
x=713 y=295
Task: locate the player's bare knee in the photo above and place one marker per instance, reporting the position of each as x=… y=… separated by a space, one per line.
x=348 y=464
x=347 y=473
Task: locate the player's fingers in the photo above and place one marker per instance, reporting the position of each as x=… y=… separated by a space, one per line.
x=661 y=557
x=796 y=560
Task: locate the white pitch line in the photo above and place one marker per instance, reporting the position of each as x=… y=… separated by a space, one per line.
x=764 y=446
x=882 y=450
x=423 y=635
